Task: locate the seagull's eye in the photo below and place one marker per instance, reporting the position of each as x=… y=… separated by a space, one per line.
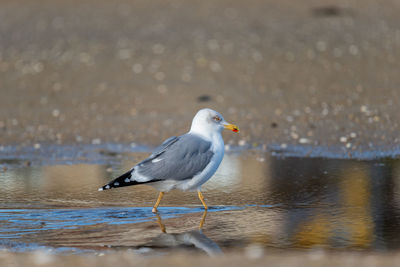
x=217 y=118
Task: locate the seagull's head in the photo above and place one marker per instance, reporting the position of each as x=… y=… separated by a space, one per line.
x=209 y=121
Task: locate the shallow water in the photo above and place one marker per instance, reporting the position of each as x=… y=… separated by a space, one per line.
x=254 y=198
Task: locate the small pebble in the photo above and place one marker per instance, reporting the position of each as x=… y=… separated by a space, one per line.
x=353 y=50
x=158 y=49
x=96 y=141
x=364 y=109
x=254 y=251
x=203 y=98
x=316 y=254
x=162 y=89
x=321 y=46
x=137 y=68
x=41 y=257
x=215 y=66
x=124 y=54
x=55 y=113
x=159 y=76
x=304 y=141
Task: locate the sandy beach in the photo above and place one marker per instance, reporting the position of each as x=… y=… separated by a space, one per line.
x=304 y=72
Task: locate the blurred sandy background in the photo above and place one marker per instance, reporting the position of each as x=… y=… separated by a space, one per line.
x=308 y=72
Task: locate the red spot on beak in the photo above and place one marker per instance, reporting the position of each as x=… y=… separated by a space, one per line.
x=231 y=127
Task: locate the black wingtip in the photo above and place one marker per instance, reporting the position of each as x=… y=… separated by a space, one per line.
x=123 y=180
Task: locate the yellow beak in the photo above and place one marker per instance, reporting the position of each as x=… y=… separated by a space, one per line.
x=231 y=127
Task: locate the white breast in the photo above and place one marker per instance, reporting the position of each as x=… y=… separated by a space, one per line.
x=197 y=181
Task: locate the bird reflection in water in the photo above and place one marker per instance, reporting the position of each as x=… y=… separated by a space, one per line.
x=162 y=226
x=186 y=240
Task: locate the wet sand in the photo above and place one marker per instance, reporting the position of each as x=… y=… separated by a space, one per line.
x=303 y=72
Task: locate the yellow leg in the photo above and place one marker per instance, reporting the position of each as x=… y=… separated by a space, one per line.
x=160 y=196
x=160 y=223
x=203 y=219
x=202 y=199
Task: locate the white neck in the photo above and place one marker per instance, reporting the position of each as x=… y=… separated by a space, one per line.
x=203 y=131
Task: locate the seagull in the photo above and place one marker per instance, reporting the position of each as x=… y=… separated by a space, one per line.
x=183 y=162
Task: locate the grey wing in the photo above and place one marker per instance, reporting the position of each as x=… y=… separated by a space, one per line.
x=178 y=159
x=161 y=149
